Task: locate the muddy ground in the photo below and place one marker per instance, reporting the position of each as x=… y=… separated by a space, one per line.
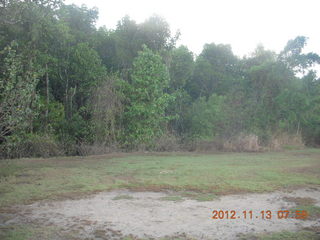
x=115 y=214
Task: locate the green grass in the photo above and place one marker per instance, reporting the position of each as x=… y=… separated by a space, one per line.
x=183 y=195
x=31 y=232
x=16 y=234
x=172 y=198
x=205 y=197
x=123 y=197
x=24 y=232
x=27 y=180
x=177 y=237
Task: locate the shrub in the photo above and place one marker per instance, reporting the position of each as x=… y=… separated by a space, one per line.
x=285 y=141
x=95 y=149
x=31 y=145
x=207 y=145
x=167 y=143
x=242 y=143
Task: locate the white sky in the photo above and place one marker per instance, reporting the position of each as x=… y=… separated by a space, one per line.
x=242 y=23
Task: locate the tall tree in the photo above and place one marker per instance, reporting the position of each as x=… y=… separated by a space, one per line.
x=147 y=101
x=294 y=58
x=216 y=70
x=18 y=80
x=181 y=67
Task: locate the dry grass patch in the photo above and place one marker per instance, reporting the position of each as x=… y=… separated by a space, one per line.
x=300 y=200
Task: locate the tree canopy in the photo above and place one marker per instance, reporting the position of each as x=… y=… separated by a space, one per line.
x=63 y=78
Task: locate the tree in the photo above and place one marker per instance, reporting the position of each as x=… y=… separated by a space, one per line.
x=124 y=43
x=147 y=101
x=181 y=70
x=293 y=57
x=311 y=113
x=155 y=33
x=181 y=67
x=264 y=80
x=80 y=20
x=216 y=70
x=106 y=107
x=18 y=80
x=85 y=73
x=206 y=117
x=128 y=43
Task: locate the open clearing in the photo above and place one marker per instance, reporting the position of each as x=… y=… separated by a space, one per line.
x=145 y=215
x=160 y=196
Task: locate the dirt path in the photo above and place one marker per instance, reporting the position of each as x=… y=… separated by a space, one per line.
x=110 y=215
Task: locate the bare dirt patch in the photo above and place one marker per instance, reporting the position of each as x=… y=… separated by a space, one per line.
x=147 y=215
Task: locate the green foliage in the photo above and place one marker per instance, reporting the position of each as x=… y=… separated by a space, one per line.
x=292 y=55
x=18 y=80
x=215 y=71
x=206 y=116
x=311 y=123
x=31 y=145
x=85 y=73
x=55 y=116
x=145 y=115
x=60 y=76
x=107 y=107
x=76 y=128
x=179 y=111
x=80 y=21
x=266 y=82
x=181 y=67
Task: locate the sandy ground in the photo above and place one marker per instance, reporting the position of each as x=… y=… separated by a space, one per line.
x=146 y=215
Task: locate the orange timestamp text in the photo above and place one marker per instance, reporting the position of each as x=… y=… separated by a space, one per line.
x=264 y=214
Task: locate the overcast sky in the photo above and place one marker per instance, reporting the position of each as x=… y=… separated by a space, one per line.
x=241 y=23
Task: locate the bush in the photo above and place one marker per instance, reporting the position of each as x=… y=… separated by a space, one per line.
x=167 y=143
x=205 y=145
x=285 y=141
x=30 y=145
x=95 y=149
x=243 y=143
x=206 y=117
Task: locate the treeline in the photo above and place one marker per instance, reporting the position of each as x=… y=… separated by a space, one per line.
x=67 y=87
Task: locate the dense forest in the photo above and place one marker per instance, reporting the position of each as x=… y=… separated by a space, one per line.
x=68 y=87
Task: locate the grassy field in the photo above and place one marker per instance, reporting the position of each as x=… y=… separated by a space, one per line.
x=27 y=232
x=27 y=180
x=197 y=176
